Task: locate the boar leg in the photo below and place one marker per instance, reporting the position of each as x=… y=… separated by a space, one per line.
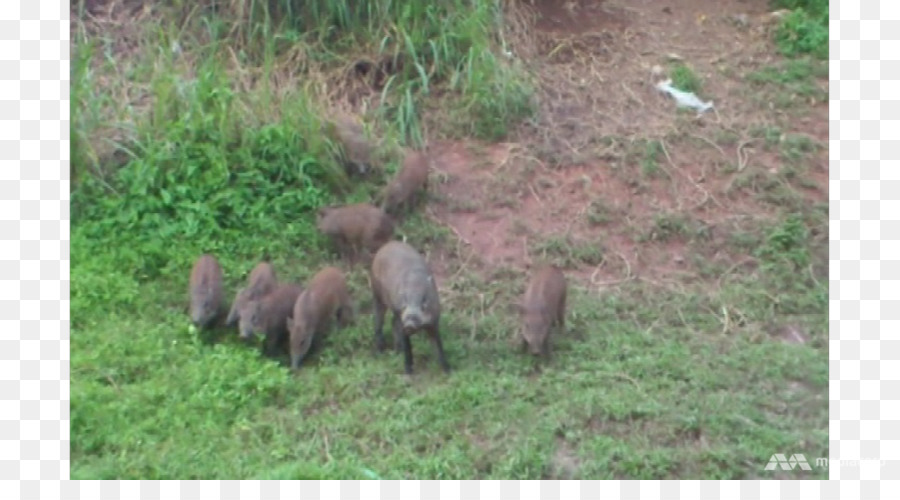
x=340 y=244
x=350 y=253
x=343 y=316
x=295 y=360
x=357 y=254
x=561 y=315
x=272 y=343
x=379 y=324
x=439 y=347
x=398 y=333
x=407 y=354
x=299 y=352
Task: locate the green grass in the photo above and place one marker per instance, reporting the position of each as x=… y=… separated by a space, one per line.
x=415 y=58
x=801 y=36
x=647 y=381
x=805 y=29
x=637 y=388
x=650 y=161
x=793 y=80
x=671 y=226
x=563 y=252
x=684 y=78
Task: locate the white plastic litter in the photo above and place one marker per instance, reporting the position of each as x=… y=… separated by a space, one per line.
x=684 y=99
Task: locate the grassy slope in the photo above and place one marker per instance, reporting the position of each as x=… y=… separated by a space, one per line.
x=647 y=383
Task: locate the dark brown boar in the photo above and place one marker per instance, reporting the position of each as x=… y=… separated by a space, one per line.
x=206 y=291
x=268 y=316
x=542 y=306
x=356 y=227
x=403 y=282
x=262 y=280
x=411 y=180
x=325 y=297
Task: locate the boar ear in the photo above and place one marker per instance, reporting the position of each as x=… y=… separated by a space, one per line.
x=306 y=298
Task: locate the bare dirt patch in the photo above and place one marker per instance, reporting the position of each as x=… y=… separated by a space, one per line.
x=578 y=16
x=564 y=464
x=611 y=180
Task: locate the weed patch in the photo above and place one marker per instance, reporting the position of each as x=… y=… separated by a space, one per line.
x=805 y=29
x=684 y=78
x=563 y=252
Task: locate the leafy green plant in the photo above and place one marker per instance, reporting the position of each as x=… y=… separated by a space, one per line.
x=684 y=78
x=787 y=243
x=805 y=29
x=650 y=160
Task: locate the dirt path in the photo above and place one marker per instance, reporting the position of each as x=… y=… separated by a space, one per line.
x=612 y=181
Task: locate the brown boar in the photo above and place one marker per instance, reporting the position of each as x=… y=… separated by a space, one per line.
x=403 y=282
x=357 y=150
x=206 y=291
x=268 y=316
x=411 y=180
x=324 y=297
x=542 y=306
x=262 y=280
x=356 y=227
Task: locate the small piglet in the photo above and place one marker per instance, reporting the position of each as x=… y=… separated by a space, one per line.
x=268 y=315
x=355 y=227
x=325 y=296
x=402 y=282
x=262 y=280
x=409 y=181
x=357 y=149
x=543 y=305
x=206 y=291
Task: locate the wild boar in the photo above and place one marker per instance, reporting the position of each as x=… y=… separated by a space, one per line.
x=268 y=316
x=403 y=282
x=357 y=150
x=206 y=291
x=411 y=180
x=355 y=227
x=262 y=280
x=324 y=297
x=542 y=306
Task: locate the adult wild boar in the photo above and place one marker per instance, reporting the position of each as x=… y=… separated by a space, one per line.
x=403 y=282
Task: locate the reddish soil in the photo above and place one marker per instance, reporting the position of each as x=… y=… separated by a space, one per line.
x=595 y=62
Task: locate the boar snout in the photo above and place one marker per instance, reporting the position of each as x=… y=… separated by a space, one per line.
x=246 y=332
x=297 y=357
x=412 y=319
x=534 y=332
x=202 y=313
